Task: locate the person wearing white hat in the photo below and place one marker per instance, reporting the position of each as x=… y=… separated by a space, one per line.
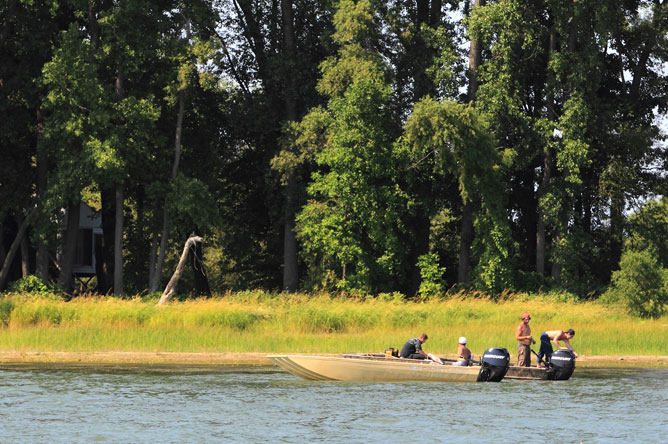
x=463 y=353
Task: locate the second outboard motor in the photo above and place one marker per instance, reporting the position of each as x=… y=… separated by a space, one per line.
x=561 y=365
x=494 y=365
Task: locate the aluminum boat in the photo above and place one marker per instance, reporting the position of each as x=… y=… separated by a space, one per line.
x=379 y=367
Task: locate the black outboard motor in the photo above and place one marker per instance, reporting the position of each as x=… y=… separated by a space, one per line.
x=494 y=365
x=561 y=365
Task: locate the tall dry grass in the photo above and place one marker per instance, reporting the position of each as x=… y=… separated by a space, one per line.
x=265 y=322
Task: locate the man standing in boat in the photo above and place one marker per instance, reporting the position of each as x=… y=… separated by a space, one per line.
x=524 y=341
x=412 y=349
x=555 y=336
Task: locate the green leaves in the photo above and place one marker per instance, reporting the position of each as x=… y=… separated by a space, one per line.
x=353 y=22
x=351 y=221
x=641 y=284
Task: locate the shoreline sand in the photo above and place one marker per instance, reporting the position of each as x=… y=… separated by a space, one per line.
x=119 y=359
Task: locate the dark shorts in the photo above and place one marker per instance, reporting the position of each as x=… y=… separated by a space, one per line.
x=415 y=356
x=545 y=348
x=523 y=355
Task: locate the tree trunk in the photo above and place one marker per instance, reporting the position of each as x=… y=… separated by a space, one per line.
x=3 y=253
x=465 y=243
x=290 y=270
x=118 y=242
x=421 y=225
x=152 y=260
x=119 y=203
x=290 y=266
x=25 y=253
x=540 y=242
x=616 y=227
x=42 y=254
x=201 y=281
x=541 y=229
x=170 y=289
x=65 y=280
x=435 y=13
x=7 y=24
x=547 y=173
x=556 y=266
x=156 y=272
x=105 y=278
x=9 y=258
x=563 y=215
x=467 y=234
x=475 y=58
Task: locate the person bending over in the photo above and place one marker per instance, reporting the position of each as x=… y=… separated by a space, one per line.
x=554 y=336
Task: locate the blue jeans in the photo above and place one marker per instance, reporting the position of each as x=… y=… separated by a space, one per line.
x=545 y=348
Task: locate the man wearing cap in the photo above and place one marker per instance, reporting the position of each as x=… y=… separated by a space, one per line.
x=554 y=336
x=524 y=341
x=463 y=353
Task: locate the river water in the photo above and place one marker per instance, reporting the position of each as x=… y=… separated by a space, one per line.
x=249 y=405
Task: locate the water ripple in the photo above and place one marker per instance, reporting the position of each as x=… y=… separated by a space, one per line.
x=601 y=406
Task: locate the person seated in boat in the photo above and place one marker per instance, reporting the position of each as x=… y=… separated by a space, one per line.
x=463 y=353
x=412 y=349
x=546 y=340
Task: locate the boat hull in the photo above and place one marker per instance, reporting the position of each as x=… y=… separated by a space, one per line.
x=515 y=372
x=340 y=368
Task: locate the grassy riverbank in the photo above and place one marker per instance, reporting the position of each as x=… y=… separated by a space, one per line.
x=268 y=323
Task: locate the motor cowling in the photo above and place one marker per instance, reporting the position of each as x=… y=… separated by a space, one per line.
x=561 y=365
x=494 y=364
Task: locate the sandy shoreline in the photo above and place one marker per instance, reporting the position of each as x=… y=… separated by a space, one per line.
x=121 y=358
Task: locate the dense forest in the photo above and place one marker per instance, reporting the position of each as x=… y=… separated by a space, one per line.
x=352 y=146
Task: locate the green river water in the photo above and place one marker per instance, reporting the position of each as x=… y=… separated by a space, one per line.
x=263 y=405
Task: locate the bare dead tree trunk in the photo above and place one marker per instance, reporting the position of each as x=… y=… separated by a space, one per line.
x=170 y=289
x=9 y=258
x=65 y=279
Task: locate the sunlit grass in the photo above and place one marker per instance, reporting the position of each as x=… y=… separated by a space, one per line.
x=274 y=323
